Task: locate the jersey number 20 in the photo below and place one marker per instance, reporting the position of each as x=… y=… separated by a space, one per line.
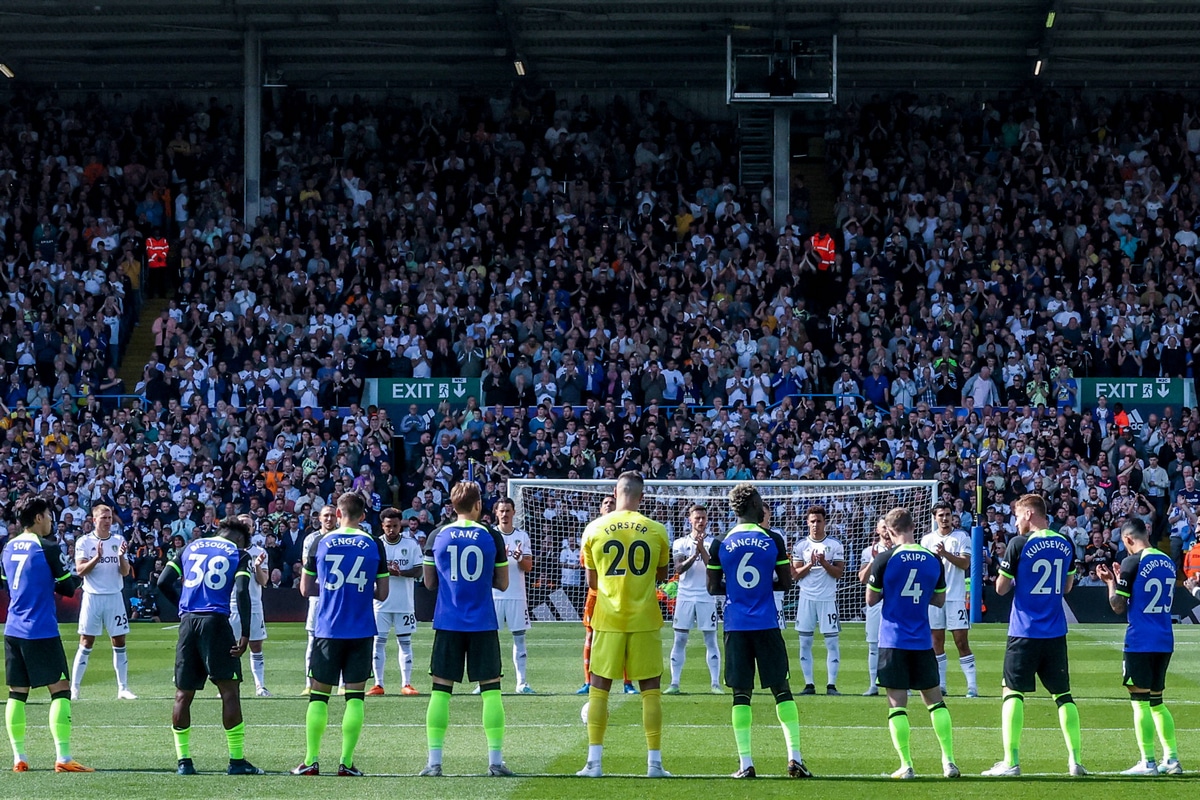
x=638 y=550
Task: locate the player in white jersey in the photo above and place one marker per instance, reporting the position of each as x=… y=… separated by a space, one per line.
x=694 y=606
x=398 y=612
x=512 y=605
x=818 y=562
x=326 y=523
x=102 y=563
x=258 y=623
x=874 y=613
x=954 y=548
x=766 y=525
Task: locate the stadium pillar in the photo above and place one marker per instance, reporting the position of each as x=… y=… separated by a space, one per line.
x=781 y=166
x=252 y=84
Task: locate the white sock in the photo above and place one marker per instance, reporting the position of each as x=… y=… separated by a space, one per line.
x=435 y=757
x=872 y=663
x=968 y=667
x=678 y=656
x=406 y=659
x=121 y=667
x=941 y=662
x=495 y=758
x=380 y=657
x=595 y=753
x=833 y=657
x=308 y=658
x=520 y=657
x=713 y=654
x=806 y=658
x=654 y=757
x=746 y=762
x=80 y=666
x=258 y=668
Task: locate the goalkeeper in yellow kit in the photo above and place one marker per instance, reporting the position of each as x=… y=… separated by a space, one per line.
x=626 y=554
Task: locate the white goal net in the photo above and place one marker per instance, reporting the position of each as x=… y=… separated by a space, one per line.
x=555 y=512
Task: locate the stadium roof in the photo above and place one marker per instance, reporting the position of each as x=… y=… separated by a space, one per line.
x=592 y=43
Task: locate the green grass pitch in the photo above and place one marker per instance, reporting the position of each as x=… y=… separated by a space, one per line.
x=845 y=740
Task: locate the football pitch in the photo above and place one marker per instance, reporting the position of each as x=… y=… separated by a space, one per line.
x=844 y=739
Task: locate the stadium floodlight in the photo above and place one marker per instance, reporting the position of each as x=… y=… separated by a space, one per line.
x=6 y=71
x=519 y=66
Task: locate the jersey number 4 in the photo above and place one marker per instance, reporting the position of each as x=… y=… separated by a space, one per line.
x=357 y=576
x=638 y=550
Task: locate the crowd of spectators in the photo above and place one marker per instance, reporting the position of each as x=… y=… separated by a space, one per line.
x=624 y=300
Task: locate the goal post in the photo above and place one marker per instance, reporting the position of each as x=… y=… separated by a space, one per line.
x=555 y=512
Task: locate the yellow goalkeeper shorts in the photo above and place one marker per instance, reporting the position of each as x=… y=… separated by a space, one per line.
x=635 y=656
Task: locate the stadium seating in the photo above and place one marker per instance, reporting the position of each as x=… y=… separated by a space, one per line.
x=988 y=254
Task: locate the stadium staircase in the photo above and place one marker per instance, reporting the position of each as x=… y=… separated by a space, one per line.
x=755 y=150
x=141 y=344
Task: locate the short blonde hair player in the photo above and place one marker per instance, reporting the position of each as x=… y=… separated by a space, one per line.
x=626 y=554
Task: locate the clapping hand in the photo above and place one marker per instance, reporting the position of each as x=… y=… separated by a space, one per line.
x=1104 y=573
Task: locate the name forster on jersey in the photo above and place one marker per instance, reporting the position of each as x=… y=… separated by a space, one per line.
x=624 y=525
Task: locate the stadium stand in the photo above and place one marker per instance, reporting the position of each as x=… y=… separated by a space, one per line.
x=594 y=259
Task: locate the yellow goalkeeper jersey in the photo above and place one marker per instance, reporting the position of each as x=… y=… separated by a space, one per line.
x=626 y=549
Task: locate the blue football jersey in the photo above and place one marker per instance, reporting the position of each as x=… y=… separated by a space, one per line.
x=209 y=567
x=1039 y=565
x=32 y=566
x=748 y=556
x=465 y=555
x=346 y=564
x=907 y=577
x=1147 y=582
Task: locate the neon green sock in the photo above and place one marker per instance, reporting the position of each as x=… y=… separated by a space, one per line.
x=235 y=737
x=939 y=715
x=1012 y=722
x=14 y=720
x=437 y=719
x=652 y=718
x=898 y=725
x=493 y=719
x=315 y=721
x=1165 y=723
x=183 y=742
x=60 y=727
x=1068 y=720
x=1143 y=728
x=743 y=718
x=789 y=720
x=352 y=725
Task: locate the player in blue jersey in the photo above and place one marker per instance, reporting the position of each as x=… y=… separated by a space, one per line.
x=33 y=568
x=348 y=571
x=910 y=579
x=759 y=563
x=1038 y=567
x=464 y=561
x=215 y=571
x=1144 y=588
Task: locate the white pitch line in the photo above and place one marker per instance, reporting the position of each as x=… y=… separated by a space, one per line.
x=580 y=727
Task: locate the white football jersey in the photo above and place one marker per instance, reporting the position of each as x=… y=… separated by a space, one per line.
x=956 y=579
x=818 y=584
x=254 y=551
x=517 y=540
x=405 y=554
x=693 y=584
x=105 y=578
x=869 y=553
